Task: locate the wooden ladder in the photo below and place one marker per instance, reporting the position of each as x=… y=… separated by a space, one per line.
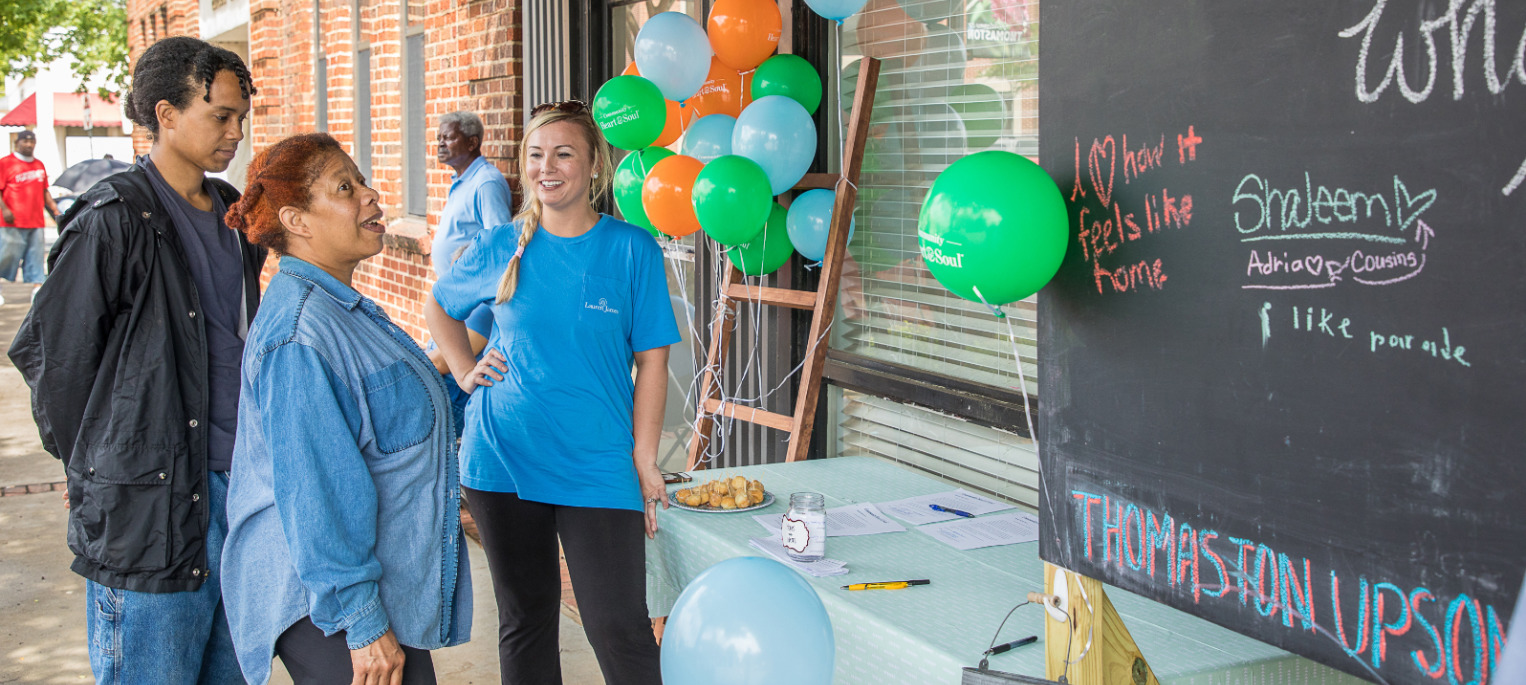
x=822 y=302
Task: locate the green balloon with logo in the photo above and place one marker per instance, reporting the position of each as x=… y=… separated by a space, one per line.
x=768 y=250
x=630 y=173
x=993 y=228
x=732 y=199
x=630 y=111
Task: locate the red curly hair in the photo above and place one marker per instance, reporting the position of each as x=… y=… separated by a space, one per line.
x=280 y=176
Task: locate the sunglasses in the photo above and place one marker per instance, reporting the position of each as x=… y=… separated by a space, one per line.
x=565 y=106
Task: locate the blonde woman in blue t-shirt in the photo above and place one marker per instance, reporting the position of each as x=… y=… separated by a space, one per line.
x=559 y=442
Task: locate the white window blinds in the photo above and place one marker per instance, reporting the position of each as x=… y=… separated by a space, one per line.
x=957 y=77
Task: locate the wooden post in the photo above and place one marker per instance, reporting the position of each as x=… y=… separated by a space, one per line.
x=1094 y=640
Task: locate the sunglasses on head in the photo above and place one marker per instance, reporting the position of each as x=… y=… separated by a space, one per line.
x=566 y=106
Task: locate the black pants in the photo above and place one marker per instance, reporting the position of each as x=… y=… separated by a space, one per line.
x=315 y=659
x=606 y=557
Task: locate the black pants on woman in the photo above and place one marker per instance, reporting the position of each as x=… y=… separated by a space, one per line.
x=315 y=659
x=606 y=557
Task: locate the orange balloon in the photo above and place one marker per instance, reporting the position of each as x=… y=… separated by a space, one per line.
x=722 y=93
x=666 y=195
x=678 y=119
x=743 y=33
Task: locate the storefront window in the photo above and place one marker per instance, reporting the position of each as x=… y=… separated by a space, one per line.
x=957 y=77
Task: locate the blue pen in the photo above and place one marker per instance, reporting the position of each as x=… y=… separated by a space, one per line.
x=956 y=512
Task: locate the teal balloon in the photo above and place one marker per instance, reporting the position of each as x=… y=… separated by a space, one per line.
x=732 y=199
x=768 y=250
x=790 y=76
x=629 y=175
x=778 y=134
x=993 y=222
x=784 y=636
x=630 y=111
x=673 y=51
x=709 y=137
x=836 y=10
x=810 y=222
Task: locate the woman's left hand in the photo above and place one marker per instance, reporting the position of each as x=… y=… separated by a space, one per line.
x=653 y=492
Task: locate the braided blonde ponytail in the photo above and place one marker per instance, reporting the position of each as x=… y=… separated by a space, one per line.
x=529 y=221
x=530 y=208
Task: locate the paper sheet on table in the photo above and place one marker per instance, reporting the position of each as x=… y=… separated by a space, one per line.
x=856 y=519
x=820 y=569
x=986 y=531
x=916 y=510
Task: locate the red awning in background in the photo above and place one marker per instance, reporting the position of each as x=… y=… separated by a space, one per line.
x=25 y=113
x=69 y=110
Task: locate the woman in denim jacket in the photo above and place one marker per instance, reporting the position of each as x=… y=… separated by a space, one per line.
x=345 y=555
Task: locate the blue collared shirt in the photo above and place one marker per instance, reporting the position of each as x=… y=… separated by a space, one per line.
x=344 y=500
x=479 y=198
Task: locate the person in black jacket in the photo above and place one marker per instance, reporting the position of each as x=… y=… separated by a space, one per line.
x=132 y=352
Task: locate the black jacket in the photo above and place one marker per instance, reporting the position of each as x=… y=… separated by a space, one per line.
x=115 y=352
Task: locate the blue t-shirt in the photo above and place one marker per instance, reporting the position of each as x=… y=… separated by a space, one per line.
x=557 y=428
x=479 y=198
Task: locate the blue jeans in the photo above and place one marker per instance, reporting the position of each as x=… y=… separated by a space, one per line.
x=23 y=246
x=176 y=638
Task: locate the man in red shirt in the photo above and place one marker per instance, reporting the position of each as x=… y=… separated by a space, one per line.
x=23 y=196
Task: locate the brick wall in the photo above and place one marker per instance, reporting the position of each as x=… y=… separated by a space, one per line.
x=472 y=61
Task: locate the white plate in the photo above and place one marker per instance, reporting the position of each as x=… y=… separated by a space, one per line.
x=768 y=498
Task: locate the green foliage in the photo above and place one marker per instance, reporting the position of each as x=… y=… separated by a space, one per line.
x=93 y=33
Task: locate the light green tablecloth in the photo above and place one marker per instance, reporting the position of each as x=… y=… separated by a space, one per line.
x=927 y=634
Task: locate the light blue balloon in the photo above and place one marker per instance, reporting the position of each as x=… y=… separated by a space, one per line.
x=810 y=221
x=778 y=134
x=709 y=137
x=783 y=636
x=836 y=10
x=673 y=52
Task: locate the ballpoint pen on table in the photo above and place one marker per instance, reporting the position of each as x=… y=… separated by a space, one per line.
x=887 y=585
x=998 y=649
x=951 y=510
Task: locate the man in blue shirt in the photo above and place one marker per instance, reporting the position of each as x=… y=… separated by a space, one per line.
x=479 y=195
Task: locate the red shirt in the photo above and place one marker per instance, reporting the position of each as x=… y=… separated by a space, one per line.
x=22 y=185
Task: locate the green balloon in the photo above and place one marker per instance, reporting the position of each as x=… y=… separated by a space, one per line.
x=993 y=221
x=768 y=251
x=790 y=76
x=630 y=173
x=630 y=111
x=732 y=198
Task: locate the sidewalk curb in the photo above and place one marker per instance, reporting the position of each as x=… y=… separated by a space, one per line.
x=32 y=489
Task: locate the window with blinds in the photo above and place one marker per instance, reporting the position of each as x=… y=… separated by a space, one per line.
x=957 y=77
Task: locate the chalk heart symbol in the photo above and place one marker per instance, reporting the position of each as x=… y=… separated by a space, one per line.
x=1410 y=208
x=1313 y=264
x=1103 y=152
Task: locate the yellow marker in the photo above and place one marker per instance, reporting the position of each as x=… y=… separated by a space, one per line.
x=889 y=585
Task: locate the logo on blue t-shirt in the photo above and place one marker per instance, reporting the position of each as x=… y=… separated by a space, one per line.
x=602 y=306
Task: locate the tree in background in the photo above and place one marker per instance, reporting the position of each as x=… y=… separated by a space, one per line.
x=92 y=33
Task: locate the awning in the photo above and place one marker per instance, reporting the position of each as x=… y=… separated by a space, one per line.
x=69 y=110
x=25 y=113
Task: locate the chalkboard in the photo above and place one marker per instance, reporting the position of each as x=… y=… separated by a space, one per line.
x=1283 y=367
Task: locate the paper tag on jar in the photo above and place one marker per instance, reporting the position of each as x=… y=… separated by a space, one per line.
x=804 y=535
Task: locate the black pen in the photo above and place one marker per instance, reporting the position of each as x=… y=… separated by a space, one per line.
x=998 y=649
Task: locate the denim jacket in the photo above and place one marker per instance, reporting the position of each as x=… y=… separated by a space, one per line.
x=344 y=500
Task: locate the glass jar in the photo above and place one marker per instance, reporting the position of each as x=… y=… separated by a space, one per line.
x=804 y=532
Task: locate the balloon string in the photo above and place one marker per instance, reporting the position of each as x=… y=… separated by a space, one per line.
x=842 y=135
x=1018 y=360
x=994 y=309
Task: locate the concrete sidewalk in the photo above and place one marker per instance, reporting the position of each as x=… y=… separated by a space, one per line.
x=42 y=612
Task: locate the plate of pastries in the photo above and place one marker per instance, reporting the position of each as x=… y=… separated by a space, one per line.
x=723 y=495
